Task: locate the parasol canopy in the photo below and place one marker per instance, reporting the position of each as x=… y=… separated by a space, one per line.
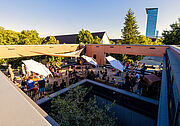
x=90 y=60
x=115 y=63
x=36 y=67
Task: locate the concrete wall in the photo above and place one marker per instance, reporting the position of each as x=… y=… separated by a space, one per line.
x=101 y=50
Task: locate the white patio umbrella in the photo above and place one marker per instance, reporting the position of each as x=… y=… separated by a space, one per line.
x=36 y=67
x=90 y=60
x=115 y=63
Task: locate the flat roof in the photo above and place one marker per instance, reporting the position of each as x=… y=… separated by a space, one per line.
x=15 y=109
x=149 y=9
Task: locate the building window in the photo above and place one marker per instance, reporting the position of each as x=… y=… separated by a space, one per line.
x=94 y=56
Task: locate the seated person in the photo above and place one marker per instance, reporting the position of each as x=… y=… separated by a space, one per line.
x=112 y=81
x=115 y=73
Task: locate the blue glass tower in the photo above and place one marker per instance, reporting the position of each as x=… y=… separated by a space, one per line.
x=151 y=22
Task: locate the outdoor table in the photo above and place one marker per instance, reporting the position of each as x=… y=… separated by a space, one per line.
x=150 y=79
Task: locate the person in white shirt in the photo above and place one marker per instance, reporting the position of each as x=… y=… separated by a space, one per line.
x=137 y=76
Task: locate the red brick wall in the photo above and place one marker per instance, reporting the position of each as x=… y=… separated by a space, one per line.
x=101 y=50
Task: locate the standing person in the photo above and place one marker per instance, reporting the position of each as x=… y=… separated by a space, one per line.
x=124 y=63
x=81 y=63
x=127 y=82
x=140 y=86
x=143 y=69
x=23 y=84
x=63 y=84
x=47 y=65
x=30 y=85
x=131 y=68
x=135 y=65
x=10 y=70
x=41 y=83
x=55 y=86
x=97 y=74
x=127 y=65
x=137 y=76
x=47 y=86
x=161 y=66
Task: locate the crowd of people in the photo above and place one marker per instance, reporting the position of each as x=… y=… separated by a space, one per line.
x=37 y=86
x=130 y=79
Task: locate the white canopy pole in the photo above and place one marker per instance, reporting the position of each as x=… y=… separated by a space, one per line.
x=23 y=69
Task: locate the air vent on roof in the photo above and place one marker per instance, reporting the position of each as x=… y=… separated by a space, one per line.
x=152 y=48
x=51 y=47
x=111 y=46
x=11 y=48
x=128 y=47
x=97 y=46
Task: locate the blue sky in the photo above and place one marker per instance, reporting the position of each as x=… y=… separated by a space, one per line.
x=55 y=17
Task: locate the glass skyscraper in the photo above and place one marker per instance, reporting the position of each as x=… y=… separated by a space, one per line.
x=151 y=22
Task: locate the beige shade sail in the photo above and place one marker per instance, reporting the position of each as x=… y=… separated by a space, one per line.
x=71 y=54
x=13 y=51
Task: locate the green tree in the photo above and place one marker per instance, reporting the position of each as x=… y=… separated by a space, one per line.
x=52 y=40
x=172 y=37
x=96 y=40
x=74 y=110
x=119 y=42
x=86 y=38
x=130 y=31
x=143 y=40
x=30 y=37
x=25 y=37
x=112 y=42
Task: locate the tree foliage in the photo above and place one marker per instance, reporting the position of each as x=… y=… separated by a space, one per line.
x=112 y=42
x=130 y=31
x=172 y=37
x=143 y=40
x=52 y=40
x=25 y=37
x=87 y=38
x=75 y=110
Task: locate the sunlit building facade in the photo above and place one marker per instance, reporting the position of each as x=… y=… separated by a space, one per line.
x=151 y=22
